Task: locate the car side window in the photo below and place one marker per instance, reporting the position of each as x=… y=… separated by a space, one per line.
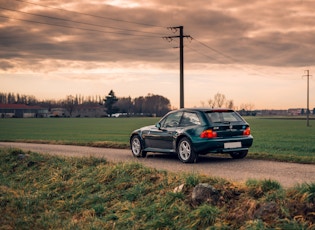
x=189 y=119
x=171 y=120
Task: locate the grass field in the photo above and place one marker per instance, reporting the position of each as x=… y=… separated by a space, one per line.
x=283 y=139
x=72 y=130
x=278 y=139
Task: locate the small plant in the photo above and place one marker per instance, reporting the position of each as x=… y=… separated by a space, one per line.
x=269 y=185
x=308 y=190
x=205 y=215
x=255 y=225
x=99 y=210
x=258 y=188
x=192 y=180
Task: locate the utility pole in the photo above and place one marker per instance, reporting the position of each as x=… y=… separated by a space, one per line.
x=308 y=99
x=181 y=60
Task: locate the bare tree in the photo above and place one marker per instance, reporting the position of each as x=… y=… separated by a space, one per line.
x=219 y=99
x=229 y=104
x=211 y=103
x=69 y=104
x=247 y=107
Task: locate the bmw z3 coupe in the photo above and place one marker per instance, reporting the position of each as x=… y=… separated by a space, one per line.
x=192 y=132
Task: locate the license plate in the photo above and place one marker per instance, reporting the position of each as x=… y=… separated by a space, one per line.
x=232 y=145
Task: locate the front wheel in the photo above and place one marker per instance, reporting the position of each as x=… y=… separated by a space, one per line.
x=136 y=147
x=239 y=155
x=185 y=151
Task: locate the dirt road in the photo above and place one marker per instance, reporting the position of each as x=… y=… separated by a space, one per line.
x=288 y=174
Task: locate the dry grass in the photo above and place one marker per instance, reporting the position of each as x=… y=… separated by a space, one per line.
x=45 y=192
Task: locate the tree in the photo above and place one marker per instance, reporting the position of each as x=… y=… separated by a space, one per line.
x=125 y=105
x=247 y=107
x=211 y=103
x=138 y=105
x=156 y=105
x=109 y=102
x=218 y=101
x=69 y=104
x=229 y=104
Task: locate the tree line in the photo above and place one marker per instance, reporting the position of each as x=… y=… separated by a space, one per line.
x=144 y=105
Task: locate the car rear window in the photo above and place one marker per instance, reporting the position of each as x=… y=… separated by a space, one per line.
x=223 y=116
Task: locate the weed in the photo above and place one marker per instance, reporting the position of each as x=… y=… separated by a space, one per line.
x=307 y=191
x=258 y=189
x=204 y=216
x=255 y=225
x=192 y=180
x=269 y=185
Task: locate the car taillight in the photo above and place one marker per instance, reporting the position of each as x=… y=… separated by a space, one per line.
x=246 y=132
x=208 y=134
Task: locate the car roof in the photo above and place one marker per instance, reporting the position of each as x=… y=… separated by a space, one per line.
x=207 y=109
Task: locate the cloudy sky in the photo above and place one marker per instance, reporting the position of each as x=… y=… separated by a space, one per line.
x=254 y=52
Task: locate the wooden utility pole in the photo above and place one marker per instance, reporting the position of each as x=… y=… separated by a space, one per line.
x=308 y=99
x=181 y=61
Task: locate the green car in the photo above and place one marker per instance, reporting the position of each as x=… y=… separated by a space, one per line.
x=192 y=132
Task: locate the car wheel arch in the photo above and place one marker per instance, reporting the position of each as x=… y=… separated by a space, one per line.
x=180 y=138
x=140 y=138
x=137 y=146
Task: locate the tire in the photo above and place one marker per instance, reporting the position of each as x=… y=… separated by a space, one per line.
x=185 y=152
x=136 y=147
x=239 y=155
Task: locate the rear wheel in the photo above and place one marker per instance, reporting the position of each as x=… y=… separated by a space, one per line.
x=185 y=151
x=136 y=147
x=239 y=155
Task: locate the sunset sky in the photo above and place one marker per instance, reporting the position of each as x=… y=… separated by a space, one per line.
x=254 y=52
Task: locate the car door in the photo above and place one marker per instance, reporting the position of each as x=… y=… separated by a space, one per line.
x=162 y=137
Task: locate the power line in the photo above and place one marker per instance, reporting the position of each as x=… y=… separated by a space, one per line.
x=83 y=23
x=228 y=57
x=214 y=50
x=91 y=15
x=92 y=30
x=203 y=54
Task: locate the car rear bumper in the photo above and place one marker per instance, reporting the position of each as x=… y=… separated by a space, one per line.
x=218 y=145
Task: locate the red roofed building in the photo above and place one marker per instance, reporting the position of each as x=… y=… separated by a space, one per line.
x=22 y=111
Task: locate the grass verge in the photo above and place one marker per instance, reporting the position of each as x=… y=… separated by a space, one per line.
x=47 y=192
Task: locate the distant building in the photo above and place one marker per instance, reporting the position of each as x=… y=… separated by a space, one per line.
x=57 y=112
x=89 y=111
x=22 y=111
x=295 y=111
x=274 y=112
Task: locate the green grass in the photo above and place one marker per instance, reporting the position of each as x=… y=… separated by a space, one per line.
x=47 y=192
x=282 y=139
x=274 y=139
x=81 y=131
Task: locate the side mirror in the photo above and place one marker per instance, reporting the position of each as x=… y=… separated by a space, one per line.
x=158 y=125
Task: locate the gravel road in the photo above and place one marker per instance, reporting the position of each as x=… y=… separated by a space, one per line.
x=288 y=174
